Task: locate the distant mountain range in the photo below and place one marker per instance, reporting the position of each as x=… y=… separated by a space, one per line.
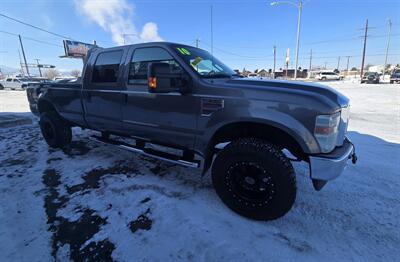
x=5 y=70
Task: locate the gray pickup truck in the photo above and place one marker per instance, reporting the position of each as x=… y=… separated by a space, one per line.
x=201 y=114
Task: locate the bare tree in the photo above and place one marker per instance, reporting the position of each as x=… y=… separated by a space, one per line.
x=75 y=73
x=51 y=73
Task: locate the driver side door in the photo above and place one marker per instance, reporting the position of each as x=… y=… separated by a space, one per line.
x=164 y=118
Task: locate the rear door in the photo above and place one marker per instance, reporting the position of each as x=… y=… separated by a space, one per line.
x=101 y=94
x=16 y=84
x=8 y=83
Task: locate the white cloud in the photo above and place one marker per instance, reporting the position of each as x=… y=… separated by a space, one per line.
x=116 y=17
x=150 y=32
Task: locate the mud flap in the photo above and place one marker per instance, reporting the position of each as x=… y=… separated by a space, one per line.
x=318 y=184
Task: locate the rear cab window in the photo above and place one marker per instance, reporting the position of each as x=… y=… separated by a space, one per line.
x=107 y=66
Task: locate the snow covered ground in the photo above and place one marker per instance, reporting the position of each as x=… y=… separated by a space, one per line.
x=97 y=202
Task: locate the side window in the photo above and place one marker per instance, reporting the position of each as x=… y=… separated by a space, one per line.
x=9 y=80
x=106 y=67
x=15 y=80
x=141 y=59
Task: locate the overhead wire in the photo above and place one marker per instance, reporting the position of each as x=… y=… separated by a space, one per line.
x=36 y=27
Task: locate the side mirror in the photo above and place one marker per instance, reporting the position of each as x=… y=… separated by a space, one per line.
x=161 y=79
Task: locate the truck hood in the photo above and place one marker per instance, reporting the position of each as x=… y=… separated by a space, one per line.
x=316 y=90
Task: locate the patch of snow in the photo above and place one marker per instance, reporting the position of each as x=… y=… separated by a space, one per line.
x=144 y=209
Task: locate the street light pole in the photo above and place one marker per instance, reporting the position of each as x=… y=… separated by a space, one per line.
x=299 y=6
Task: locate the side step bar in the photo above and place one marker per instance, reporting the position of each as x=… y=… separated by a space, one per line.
x=150 y=152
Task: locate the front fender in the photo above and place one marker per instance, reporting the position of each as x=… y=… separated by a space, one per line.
x=270 y=116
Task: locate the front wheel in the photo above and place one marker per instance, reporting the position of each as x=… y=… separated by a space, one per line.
x=254 y=179
x=55 y=130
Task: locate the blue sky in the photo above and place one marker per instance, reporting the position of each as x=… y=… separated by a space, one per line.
x=244 y=31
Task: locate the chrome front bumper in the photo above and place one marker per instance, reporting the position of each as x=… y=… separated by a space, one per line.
x=325 y=167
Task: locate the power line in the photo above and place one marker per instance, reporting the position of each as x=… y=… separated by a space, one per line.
x=235 y=54
x=36 y=27
x=31 y=39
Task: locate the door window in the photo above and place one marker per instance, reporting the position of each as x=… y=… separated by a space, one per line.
x=141 y=59
x=106 y=67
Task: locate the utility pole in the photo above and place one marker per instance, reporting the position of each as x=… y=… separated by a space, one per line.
x=274 y=62
x=20 y=63
x=124 y=37
x=287 y=60
x=325 y=66
x=212 y=31
x=347 y=67
x=365 y=46
x=197 y=42
x=309 y=69
x=38 y=65
x=387 y=48
x=338 y=63
x=23 y=54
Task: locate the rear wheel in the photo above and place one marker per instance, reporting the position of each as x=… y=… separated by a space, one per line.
x=254 y=179
x=55 y=130
x=1 y=87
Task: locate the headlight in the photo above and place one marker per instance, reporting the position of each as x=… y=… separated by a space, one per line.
x=326 y=131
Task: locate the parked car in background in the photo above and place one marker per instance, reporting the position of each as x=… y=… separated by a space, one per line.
x=18 y=83
x=395 y=76
x=370 y=77
x=253 y=75
x=323 y=76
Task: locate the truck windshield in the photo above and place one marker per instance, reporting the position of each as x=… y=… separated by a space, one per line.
x=203 y=62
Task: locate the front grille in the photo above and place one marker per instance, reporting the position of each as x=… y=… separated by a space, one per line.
x=344 y=123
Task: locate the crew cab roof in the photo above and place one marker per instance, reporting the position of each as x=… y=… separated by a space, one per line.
x=147 y=44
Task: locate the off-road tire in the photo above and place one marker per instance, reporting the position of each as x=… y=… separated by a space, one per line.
x=275 y=168
x=55 y=130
